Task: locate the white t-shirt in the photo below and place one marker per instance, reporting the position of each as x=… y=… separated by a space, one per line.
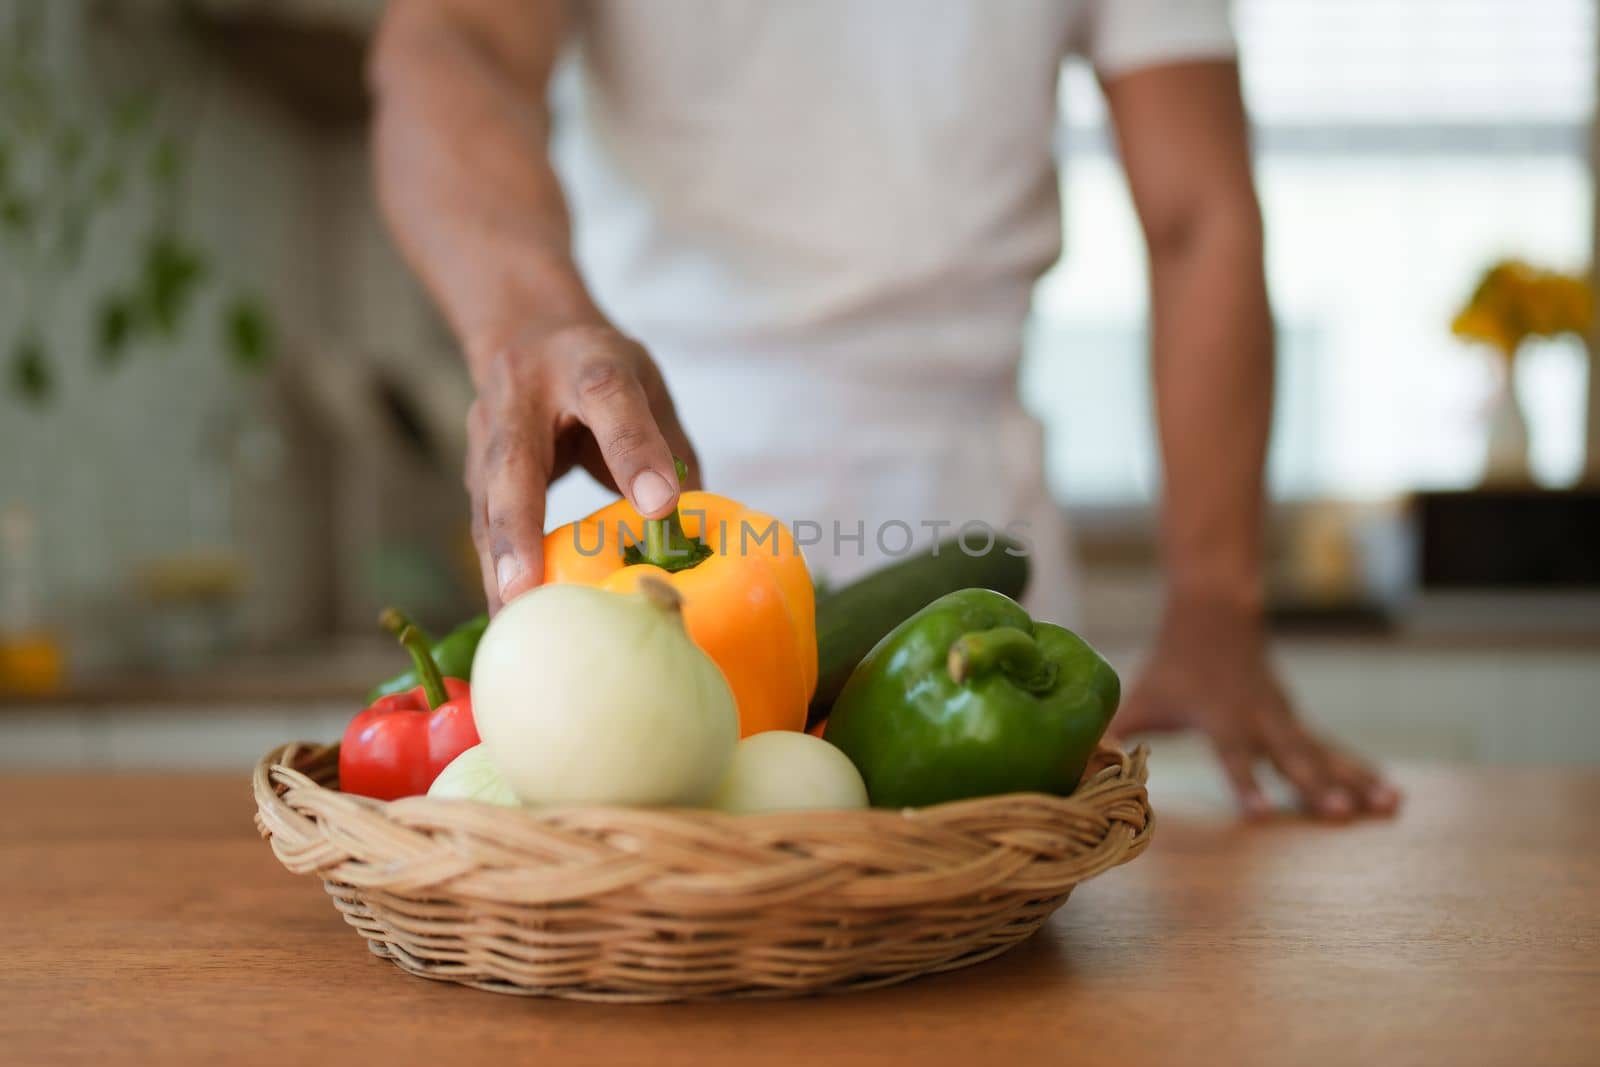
x=825 y=220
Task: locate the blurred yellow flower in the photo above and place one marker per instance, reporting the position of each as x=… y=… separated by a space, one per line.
x=1515 y=301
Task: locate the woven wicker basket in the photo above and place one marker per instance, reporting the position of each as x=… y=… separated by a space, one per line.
x=631 y=904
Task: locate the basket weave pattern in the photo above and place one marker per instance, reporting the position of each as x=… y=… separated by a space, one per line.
x=632 y=904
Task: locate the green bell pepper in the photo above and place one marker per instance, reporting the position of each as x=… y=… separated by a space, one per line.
x=970 y=697
x=452 y=653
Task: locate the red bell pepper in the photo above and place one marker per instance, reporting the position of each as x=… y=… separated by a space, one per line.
x=398 y=746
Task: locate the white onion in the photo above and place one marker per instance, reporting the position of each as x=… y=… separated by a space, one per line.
x=471 y=776
x=782 y=770
x=584 y=696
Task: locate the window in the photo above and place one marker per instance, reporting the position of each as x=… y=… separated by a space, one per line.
x=1400 y=149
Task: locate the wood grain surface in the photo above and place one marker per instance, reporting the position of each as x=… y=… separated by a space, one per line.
x=145 y=923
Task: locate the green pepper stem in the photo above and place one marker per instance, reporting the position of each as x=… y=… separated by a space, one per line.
x=661 y=536
x=396 y=621
x=427 y=670
x=1003 y=648
x=665 y=544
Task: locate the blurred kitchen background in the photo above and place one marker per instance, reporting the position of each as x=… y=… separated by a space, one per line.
x=231 y=425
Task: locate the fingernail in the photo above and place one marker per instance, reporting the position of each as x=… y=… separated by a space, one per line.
x=651 y=492
x=506 y=571
x=1336 y=803
x=1382 y=798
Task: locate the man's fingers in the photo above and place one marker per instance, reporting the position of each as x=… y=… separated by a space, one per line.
x=609 y=399
x=472 y=477
x=480 y=541
x=589 y=457
x=1302 y=760
x=516 y=480
x=678 y=442
x=1373 y=793
x=1238 y=763
x=655 y=391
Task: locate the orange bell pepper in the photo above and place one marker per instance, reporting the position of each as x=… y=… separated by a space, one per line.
x=748 y=599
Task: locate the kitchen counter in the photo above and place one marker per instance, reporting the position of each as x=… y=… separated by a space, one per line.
x=146 y=923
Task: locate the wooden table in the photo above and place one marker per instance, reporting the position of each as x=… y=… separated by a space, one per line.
x=145 y=923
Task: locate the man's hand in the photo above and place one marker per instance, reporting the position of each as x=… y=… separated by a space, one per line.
x=1209 y=670
x=579 y=396
x=465 y=181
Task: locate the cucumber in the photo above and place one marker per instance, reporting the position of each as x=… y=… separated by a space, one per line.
x=855 y=617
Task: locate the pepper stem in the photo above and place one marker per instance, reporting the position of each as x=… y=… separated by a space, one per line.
x=1007 y=649
x=665 y=544
x=395 y=621
x=427 y=670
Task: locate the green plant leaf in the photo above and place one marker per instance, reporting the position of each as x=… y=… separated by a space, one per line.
x=70 y=146
x=172 y=272
x=133 y=112
x=248 y=334
x=116 y=324
x=32 y=377
x=166 y=160
x=108 y=183
x=16 y=215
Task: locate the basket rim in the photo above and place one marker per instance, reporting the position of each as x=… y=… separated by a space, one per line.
x=278 y=773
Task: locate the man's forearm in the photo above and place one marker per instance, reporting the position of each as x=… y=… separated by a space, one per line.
x=463 y=172
x=1184 y=140
x=1213 y=364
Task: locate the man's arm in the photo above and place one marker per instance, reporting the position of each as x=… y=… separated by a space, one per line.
x=1184 y=143
x=465 y=181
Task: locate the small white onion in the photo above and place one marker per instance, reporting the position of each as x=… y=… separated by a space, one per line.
x=470 y=776
x=783 y=770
